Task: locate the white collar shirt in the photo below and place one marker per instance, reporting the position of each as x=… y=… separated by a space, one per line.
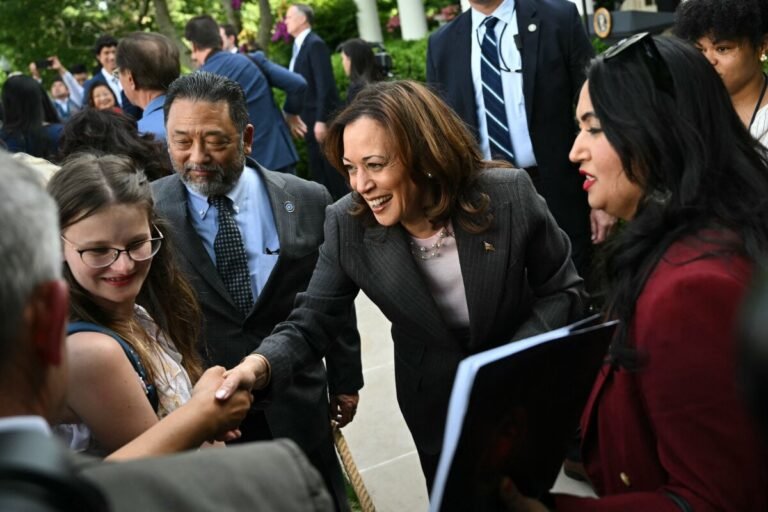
x=114 y=84
x=297 y=42
x=511 y=78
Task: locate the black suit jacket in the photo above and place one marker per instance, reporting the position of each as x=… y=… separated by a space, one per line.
x=314 y=63
x=300 y=410
x=555 y=53
x=525 y=285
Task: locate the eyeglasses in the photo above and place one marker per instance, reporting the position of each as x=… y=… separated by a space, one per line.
x=642 y=44
x=101 y=257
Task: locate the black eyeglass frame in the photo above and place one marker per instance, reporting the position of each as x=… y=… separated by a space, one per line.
x=117 y=252
x=644 y=46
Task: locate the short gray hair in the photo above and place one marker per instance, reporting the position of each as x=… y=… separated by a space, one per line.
x=30 y=248
x=307 y=11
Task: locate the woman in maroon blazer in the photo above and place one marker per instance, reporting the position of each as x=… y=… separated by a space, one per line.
x=665 y=428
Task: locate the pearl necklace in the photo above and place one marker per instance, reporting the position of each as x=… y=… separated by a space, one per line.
x=427 y=253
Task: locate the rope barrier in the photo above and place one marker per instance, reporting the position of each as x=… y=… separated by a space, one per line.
x=366 y=504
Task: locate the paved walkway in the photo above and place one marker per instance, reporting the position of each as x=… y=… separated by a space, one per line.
x=378 y=438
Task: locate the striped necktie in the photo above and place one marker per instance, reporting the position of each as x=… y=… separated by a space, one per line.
x=493 y=95
x=231 y=260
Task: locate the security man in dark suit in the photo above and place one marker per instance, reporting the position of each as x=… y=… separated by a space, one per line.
x=541 y=56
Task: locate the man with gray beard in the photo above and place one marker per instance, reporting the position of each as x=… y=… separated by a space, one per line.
x=248 y=240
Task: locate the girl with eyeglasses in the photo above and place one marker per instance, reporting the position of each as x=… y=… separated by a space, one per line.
x=134 y=320
x=660 y=146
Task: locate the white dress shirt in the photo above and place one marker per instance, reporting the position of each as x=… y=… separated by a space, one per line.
x=511 y=64
x=297 y=42
x=114 y=84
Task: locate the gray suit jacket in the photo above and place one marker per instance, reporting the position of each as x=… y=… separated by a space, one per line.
x=299 y=410
x=256 y=476
x=518 y=277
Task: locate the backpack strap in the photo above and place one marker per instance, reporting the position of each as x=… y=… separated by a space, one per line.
x=130 y=352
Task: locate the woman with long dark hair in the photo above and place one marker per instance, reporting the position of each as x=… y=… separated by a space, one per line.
x=666 y=427
x=25 y=126
x=359 y=65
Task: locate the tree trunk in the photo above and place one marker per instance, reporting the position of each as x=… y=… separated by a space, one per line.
x=232 y=19
x=265 y=23
x=166 y=28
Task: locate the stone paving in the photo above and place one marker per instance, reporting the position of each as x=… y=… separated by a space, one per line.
x=378 y=438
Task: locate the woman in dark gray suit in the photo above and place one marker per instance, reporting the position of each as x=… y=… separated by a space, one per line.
x=461 y=255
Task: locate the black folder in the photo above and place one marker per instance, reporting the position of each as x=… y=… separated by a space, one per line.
x=513 y=411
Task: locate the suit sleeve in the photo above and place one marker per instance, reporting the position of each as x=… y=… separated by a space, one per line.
x=343 y=360
x=293 y=84
x=326 y=93
x=704 y=439
x=320 y=314
x=75 y=89
x=432 y=79
x=558 y=291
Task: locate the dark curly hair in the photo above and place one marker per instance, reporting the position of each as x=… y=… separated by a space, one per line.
x=107 y=132
x=723 y=19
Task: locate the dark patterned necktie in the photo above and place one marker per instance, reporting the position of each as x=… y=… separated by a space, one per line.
x=493 y=95
x=231 y=261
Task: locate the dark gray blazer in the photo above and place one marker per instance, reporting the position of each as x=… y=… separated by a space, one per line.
x=300 y=410
x=256 y=476
x=518 y=277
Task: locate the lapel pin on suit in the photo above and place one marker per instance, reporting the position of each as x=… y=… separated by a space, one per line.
x=488 y=247
x=289 y=207
x=532 y=27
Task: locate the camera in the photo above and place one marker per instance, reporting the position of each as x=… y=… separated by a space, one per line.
x=44 y=63
x=382 y=59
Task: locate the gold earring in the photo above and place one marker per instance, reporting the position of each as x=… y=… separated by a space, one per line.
x=763 y=57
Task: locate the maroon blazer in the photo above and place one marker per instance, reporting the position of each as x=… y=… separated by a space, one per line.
x=678 y=424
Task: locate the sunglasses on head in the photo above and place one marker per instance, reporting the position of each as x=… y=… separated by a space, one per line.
x=641 y=45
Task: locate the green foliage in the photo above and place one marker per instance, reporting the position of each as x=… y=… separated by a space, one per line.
x=68 y=28
x=409 y=59
x=599 y=45
x=335 y=20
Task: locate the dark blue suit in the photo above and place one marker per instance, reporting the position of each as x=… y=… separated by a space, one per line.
x=314 y=63
x=125 y=104
x=555 y=52
x=272 y=144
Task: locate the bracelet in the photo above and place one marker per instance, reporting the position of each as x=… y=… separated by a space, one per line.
x=268 y=376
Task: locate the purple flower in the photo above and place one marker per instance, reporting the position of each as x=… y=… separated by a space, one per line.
x=393 y=23
x=281 y=32
x=236 y=4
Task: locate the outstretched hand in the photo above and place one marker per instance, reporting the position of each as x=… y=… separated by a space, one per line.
x=225 y=416
x=251 y=374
